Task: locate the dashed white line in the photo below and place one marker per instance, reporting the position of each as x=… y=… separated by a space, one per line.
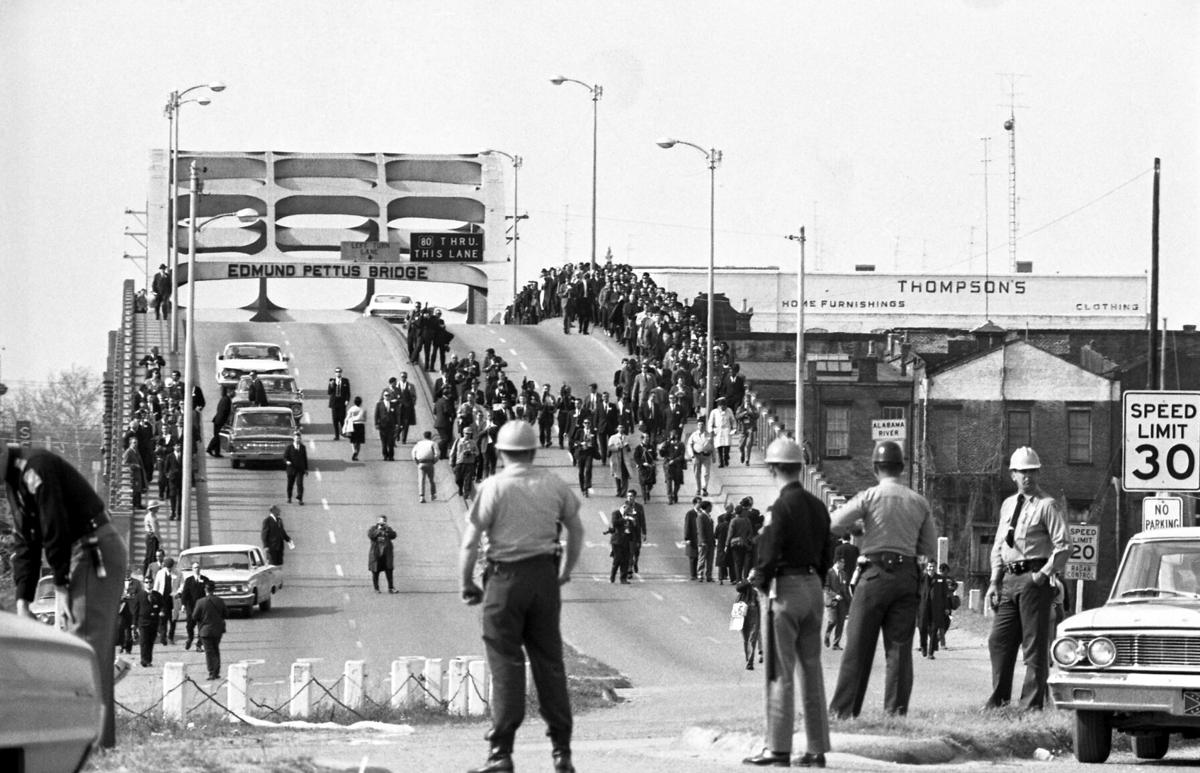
x=325 y=503
x=332 y=538
x=307 y=417
x=346 y=597
x=514 y=352
x=652 y=593
x=500 y=337
x=685 y=619
x=351 y=622
x=317 y=473
x=312 y=445
x=712 y=639
x=295 y=371
x=358 y=644
x=524 y=366
x=338 y=568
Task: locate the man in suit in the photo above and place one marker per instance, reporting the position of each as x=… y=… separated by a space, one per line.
x=210 y=615
x=161 y=286
x=385 y=423
x=837 y=602
x=256 y=391
x=191 y=592
x=173 y=474
x=406 y=404
x=222 y=416
x=274 y=536
x=339 y=398
x=295 y=459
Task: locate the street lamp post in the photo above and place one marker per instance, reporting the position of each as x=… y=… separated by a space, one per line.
x=801 y=369
x=174 y=101
x=517 y=161
x=189 y=352
x=713 y=157
x=596 y=91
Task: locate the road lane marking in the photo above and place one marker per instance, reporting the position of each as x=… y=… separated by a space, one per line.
x=351 y=623
x=307 y=417
x=346 y=597
x=685 y=619
x=358 y=644
x=332 y=538
x=652 y=593
x=295 y=371
x=317 y=473
x=325 y=503
x=712 y=639
x=312 y=445
x=514 y=352
x=524 y=366
x=499 y=336
x=338 y=568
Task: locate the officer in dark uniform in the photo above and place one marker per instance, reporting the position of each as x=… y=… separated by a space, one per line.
x=794 y=553
x=523 y=510
x=897 y=527
x=56 y=513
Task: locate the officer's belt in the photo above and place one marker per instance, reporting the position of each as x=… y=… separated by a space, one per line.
x=888 y=558
x=786 y=571
x=1028 y=565
x=496 y=565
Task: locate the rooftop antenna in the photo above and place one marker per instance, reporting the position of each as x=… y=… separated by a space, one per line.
x=971 y=252
x=987 y=310
x=1010 y=126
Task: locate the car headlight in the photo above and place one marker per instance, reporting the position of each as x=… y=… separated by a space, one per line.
x=1102 y=652
x=1067 y=652
x=46 y=617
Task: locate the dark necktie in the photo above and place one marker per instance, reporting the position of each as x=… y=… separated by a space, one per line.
x=1012 y=522
x=167 y=585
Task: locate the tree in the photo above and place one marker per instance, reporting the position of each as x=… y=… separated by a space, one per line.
x=68 y=409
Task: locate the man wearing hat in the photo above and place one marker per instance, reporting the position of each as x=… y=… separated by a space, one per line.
x=1032 y=543
x=57 y=514
x=339 y=397
x=523 y=510
x=721 y=424
x=295 y=459
x=897 y=525
x=160 y=285
x=274 y=536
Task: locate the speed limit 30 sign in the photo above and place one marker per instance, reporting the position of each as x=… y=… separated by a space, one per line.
x=1162 y=441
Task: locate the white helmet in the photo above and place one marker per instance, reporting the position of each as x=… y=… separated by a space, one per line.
x=1025 y=458
x=516 y=435
x=784 y=451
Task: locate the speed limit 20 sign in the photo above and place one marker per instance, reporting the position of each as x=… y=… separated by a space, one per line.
x=1162 y=441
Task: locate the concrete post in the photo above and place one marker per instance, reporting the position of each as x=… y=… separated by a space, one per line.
x=975 y=601
x=434 y=676
x=477 y=687
x=943 y=551
x=406 y=690
x=301 y=690
x=456 y=686
x=238 y=690
x=352 y=684
x=174 y=705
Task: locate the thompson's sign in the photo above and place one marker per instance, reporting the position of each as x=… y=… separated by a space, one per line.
x=1010 y=294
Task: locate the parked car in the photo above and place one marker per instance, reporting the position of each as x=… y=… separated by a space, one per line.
x=241 y=574
x=240 y=358
x=390 y=306
x=258 y=434
x=281 y=390
x=1133 y=665
x=50 y=714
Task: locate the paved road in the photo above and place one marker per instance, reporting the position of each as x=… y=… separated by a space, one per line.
x=667 y=634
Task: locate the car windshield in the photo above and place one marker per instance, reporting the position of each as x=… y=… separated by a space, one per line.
x=253 y=352
x=45 y=589
x=221 y=560
x=393 y=299
x=272 y=420
x=1159 y=569
x=278 y=385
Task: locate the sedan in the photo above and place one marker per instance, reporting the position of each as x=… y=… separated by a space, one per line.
x=281 y=390
x=258 y=434
x=241 y=358
x=390 y=306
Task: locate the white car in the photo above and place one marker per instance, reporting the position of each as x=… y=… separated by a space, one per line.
x=241 y=358
x=390 y=306
x=241 y=574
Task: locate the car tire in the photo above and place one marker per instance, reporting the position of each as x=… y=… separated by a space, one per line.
x=1093 y=736
x=265 y=606
x=1151 y=746
x=235 y=463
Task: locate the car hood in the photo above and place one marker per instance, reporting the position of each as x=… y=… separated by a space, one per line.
x=262 y=366
x=264 y=432
x=1176 y=613
x=227 y=575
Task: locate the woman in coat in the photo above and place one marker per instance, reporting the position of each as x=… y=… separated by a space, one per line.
x=355 y=426
x=380 y=556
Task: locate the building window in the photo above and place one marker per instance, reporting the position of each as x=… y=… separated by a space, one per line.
x=892 y=412
x=981 y=556
x=1079 y=436
x=837 y=430
x=1019 y=429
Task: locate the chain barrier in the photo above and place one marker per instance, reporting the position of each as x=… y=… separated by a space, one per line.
x=209 y=697
x=143 y=714
x=334 y=698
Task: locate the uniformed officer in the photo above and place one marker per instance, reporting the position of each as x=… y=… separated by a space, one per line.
x=1032 y=543
x=897 y=527
x=523 y=510
x=794 y=553
x=57 y=513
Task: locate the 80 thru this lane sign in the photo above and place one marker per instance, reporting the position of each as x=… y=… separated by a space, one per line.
x=1162 y=441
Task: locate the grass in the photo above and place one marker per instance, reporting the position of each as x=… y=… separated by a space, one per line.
x=981 y=735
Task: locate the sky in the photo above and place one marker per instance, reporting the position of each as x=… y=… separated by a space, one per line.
x=860 y=121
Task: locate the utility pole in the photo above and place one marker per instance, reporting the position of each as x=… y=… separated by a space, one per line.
x=1154 y=378
x=987 y=309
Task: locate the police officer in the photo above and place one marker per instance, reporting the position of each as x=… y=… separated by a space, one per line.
x=794 y=553
x=523 y=510
x=57 y=513
x=897 y=527
x=1032 y=543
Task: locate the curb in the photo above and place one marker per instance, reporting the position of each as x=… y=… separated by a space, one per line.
x=885 y=748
